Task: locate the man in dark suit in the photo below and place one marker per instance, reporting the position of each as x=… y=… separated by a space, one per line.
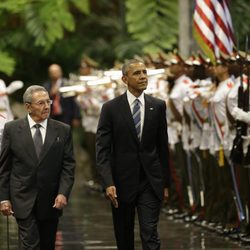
x=132 y=158
x=64 y=109
x=36 y=171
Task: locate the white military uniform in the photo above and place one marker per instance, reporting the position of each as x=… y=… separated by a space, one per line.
x=91 y=104
x=157 y=87
x=232 y=98
x=199 y=110
x=220 y=137
x=177 y=95
x=5 y=110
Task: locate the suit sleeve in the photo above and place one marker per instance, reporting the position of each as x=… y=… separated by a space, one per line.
x=163 y=145
x=68 y=166
x=5 y=166
x=104 y=147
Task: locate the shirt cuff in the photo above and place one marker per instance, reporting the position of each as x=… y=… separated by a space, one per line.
x=4 y=201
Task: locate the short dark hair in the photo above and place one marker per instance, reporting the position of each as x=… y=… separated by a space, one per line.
x=126 y=65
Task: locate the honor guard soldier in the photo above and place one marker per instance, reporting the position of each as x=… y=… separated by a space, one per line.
x=224 y=208
x=5 y=109
x=238 y=99
x=181 y=85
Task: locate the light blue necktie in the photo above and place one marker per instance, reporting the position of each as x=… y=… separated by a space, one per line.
x=137 y=117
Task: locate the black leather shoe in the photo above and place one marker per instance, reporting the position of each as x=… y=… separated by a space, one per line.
x=245 y=238
x=170 y=211
x=180 y=216
x=203 y=224
x=199 y=222
x=211 y=226
x=190 y=218
x=234 y=234
x=219 y=229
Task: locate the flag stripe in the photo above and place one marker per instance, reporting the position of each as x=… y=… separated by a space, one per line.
x=212 y=21
x=204 y=37
x=204 y=25
x=229 y=22
x=221 y=29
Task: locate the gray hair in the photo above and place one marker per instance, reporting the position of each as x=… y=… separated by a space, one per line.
x=126 y=65
x=28 y=94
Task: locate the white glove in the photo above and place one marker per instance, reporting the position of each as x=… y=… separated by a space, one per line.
x=241 y=115
x=14 y=86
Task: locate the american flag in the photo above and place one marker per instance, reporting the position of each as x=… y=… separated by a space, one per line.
x=212 y=26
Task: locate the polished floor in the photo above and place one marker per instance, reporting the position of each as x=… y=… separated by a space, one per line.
x=87 y=225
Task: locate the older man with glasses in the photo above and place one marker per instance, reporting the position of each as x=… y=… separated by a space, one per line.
x=36 y=171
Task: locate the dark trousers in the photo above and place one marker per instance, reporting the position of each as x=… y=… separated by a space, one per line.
x=148 y=209
x=37 y=234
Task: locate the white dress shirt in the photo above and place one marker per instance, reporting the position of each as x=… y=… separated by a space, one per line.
x=43 y=127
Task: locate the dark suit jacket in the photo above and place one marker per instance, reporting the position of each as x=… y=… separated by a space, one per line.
x=120 y=154
x=70 y=108
x=27 y=181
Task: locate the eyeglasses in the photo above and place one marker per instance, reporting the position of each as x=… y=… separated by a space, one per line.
x=42 y=103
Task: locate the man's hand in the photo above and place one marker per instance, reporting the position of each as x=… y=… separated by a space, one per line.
x=111 y=194
x=166 y=194
x=60 y=201
x=6 y=208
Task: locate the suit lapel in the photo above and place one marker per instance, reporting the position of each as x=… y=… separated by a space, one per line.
x=25 y=138
x=126 y=112
x=149 y=108
x=51 y=134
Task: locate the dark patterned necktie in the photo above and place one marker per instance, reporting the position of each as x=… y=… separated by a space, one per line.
x=38 y=141
x=137 y=117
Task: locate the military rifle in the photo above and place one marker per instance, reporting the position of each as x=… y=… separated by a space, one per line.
x=237 y=155
x=246 y=160
x=190 y=186
x=201 y=179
